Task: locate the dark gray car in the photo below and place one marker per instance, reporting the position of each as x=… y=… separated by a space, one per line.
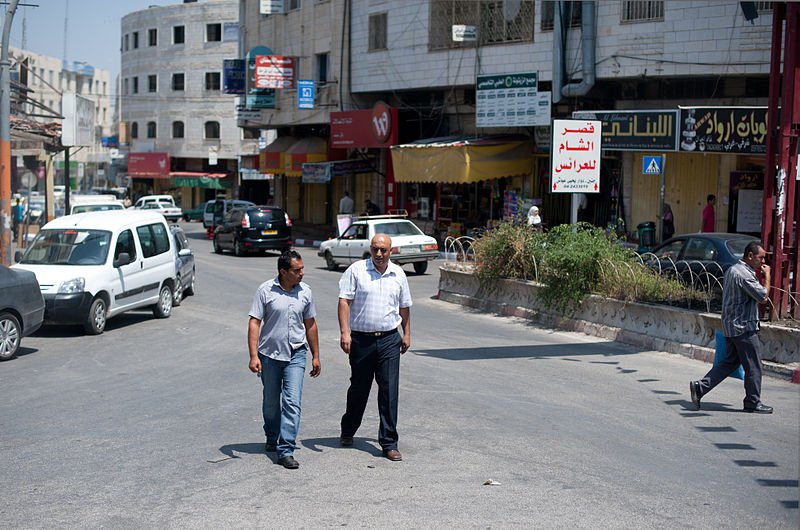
x=184 y=265
x=21 y=308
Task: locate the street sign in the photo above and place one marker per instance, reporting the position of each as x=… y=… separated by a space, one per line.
x=652 y=165
x=305 y=94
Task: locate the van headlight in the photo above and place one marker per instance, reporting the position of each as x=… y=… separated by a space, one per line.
x=72 y=286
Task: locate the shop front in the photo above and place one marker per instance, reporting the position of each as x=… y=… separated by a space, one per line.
x=197 y=187
x=149 y=174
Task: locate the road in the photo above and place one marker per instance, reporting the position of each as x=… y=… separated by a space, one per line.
x=156 y=423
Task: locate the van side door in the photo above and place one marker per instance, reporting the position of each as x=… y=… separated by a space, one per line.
x=158 y=260
x=127 y=284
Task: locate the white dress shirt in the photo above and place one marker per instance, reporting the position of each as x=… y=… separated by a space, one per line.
x=376 y=298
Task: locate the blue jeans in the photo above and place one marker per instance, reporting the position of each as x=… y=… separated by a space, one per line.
x=283 y=390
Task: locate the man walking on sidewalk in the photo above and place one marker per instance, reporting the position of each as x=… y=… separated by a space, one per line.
x=281 y=330
x=741 y=295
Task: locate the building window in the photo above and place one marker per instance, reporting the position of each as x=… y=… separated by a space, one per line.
x=152 y=83
x=135 y=40
x=178 y=35
x=496 y=22
x=126 y=43
x=135 y=82
x=642 y=11
x=764 y=6
x=152 y=37
x=151 y=129
x=177 y=129
x=213 y=32
x=125 y=86
x=293 y=4
x=322 y=62
x=212 y=130
x=105 y=88
x=571 y=10
x=134 y=130
x=177 y=82
x=377 y=32
x=212 y=81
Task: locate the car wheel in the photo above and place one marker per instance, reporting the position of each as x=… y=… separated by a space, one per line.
x=420 y=267
x=237 y=248
x=10 y=335
x=96 y=319
x=190 y=290
x=332 y=266
x=177 y=294
x=163 y=309
x=217 y=248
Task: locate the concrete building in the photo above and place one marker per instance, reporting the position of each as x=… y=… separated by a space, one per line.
x=176 y=121
x=625 y=62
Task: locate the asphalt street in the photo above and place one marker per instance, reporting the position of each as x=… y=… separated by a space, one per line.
x=157 y=424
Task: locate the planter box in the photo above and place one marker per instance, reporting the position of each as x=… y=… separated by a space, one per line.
x=656 y=327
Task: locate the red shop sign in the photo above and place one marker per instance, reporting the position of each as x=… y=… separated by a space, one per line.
x=153 y=165
x=364 y=128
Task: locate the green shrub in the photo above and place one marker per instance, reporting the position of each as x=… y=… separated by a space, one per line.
x=509 y=251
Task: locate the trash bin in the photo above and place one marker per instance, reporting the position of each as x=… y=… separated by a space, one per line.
x=647 y=235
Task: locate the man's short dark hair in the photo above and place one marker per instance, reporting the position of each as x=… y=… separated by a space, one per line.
x=710 y=197
x=751 y=248
x=285 y=261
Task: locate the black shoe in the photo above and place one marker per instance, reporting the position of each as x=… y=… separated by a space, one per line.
x=759 y=409
x=288 y=462
x=694 y=389
x=270 y=447
x=346 y=441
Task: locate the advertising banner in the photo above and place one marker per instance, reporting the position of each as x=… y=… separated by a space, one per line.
x=364 y=128
x=78 y=126
x=636 y=130
x=508 y=100
x=576 y=156
x=274 y=71
x=233 y=76
x=724 y=129
x=257 y=98
x=149 y=165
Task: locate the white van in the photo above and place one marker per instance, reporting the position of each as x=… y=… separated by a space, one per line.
x=93 y=266
x=94 y=203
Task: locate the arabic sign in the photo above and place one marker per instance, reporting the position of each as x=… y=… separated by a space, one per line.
x=724 y=129
x=506 y=100
x=576 y=156
x=233 y=76
x=274 y=71
x=321 y=172
x=364 y=128
x=305 y=94
x=636 y=130
x=257 y=98
x=153 y=165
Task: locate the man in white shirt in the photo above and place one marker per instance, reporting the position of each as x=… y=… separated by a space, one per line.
x=346 y=204
x=374 y=299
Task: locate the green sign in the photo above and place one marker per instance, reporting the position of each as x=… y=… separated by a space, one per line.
x=202 y=182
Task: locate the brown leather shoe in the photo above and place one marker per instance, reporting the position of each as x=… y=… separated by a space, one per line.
x=393 y=455
x=346 y=441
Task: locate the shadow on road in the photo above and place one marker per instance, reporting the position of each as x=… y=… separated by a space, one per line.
x=244 y=448
x=539 y=351
x=370 y=445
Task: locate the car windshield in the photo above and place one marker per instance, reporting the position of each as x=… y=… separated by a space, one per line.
x=72 y=246
x=405 y=228
x=736 y=246
x=82 y=208
x=166 y=202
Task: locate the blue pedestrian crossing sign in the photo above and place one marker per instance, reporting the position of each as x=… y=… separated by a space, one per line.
x=653 y=165
x=305 y=94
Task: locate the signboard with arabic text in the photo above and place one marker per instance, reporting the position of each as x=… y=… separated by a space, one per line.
x=576 y=156
x=635 y=130
x=724 y=129
x=274 y=71
x=507 y=100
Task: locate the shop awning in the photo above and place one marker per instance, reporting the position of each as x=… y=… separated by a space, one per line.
x=462 y=160
x=200 y=179
x=273 y=158
x=305 y=150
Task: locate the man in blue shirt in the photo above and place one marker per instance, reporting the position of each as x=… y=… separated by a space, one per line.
x=281 y=330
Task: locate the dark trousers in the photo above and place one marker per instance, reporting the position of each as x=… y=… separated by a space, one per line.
x=745 y=350
x=375 y=358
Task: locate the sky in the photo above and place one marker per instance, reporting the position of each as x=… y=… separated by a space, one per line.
x=93 y=28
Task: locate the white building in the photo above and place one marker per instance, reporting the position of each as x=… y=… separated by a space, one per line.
x=172 y=100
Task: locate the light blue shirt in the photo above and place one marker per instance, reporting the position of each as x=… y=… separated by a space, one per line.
x=282 y=314
x=377 y=298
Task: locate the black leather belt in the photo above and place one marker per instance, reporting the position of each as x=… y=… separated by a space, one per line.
x=373 y=333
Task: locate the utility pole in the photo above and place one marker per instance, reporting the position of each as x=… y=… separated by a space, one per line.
x=5 y=139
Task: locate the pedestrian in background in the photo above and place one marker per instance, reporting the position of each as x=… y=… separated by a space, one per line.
x=708 y=214
x=741 y=294
x=370 y=208
x=17 y=214
x=668 y=223
x=281 y=330
x=374 y=299
x=534 y=219
x=346 y=205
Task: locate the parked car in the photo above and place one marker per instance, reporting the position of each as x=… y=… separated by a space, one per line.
x=253 y=228
x=184 y=266
x=21 y=309
x=147 y=199
x=700 y=260
x=170 y=212
x=93 y=266
x=196 y=213
x=219 y=209
x=96 y=206
x=409 y=243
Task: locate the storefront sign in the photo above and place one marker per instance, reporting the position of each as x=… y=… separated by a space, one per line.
x=233 y=76
x=576 y=156
x=202 y=182
x=274 y=71
x=321 y=172
x=364 y=128
x=257 y=98
x=305 y=94
x=636 y=130
x=150 y=165
x=508 y=100
x=724 y=129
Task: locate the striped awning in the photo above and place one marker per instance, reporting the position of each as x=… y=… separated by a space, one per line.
x=273 y=158
x=305 y=150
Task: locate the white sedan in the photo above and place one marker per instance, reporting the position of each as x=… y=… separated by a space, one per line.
x=171 y=212
x=409 y=243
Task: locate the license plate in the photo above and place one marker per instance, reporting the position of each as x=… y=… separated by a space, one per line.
x=409 y=250
x=268 y=232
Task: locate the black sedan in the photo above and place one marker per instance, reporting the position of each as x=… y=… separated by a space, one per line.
x=699 y=260
x=254 y=229
x=21 y=308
